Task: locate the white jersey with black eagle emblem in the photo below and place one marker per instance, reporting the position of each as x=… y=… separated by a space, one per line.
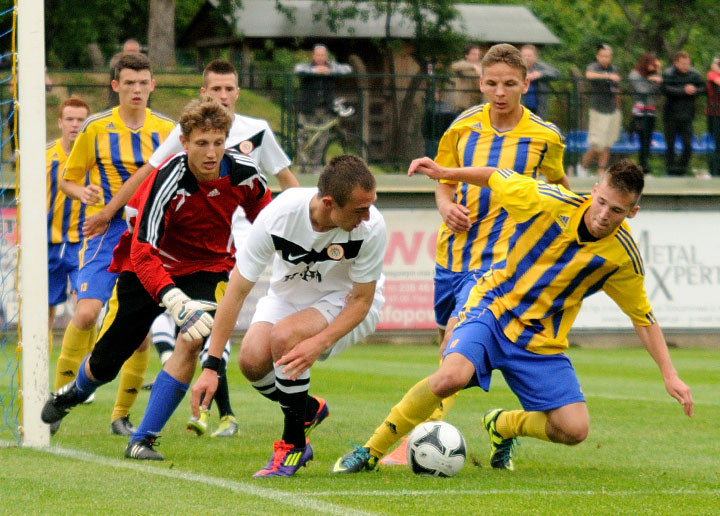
x=308 y=265
x=250 y=136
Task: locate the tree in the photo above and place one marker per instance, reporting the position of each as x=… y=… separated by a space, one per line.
x=665 y=27
x=71 y=25
x=161 y=33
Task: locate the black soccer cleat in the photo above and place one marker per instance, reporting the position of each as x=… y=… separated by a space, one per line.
x=143 y=449
x=122 y=426
x=60 y=403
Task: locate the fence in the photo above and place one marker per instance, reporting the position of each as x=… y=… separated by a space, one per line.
x=397 y=117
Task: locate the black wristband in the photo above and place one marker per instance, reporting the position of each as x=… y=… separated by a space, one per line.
x=213 y=363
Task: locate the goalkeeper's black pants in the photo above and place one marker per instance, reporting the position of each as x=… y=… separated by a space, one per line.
x=131 y=312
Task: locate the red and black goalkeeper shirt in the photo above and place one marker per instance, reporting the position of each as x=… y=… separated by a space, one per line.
x=179 y=226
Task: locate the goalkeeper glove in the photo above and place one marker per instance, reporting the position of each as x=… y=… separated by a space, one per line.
x=189 y=314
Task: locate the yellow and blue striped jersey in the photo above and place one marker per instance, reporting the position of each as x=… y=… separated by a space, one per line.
x=64 y=216
x=532 y=146
x=536 y=293
x=110 y=152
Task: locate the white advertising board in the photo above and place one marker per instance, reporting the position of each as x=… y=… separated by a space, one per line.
x=680 y=254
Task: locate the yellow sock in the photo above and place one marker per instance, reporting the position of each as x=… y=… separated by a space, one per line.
x=132 y=375
x=75 y=346
x=445 y=406
x=415 y=407
x=518 y=423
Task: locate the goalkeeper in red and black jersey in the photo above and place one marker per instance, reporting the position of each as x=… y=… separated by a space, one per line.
x=176 y=255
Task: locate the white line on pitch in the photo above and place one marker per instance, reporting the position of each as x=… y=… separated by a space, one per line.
x=513 y=492
x=288 y=498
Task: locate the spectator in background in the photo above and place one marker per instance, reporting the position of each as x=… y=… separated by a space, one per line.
x=539 y=73
x=467 y=74
x=605 y=117
x=713 y=115
x=131 y=46
x=317 y=91
x=681 y=83
x=645 y=82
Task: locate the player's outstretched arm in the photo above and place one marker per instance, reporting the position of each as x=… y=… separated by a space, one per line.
x=96 y=224
x=472 y=175
x=654 y=341
x=227 y=313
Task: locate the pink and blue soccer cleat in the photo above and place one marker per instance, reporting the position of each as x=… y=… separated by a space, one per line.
x=285 y=460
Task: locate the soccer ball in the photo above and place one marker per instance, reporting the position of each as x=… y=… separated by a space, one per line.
x=437 y=449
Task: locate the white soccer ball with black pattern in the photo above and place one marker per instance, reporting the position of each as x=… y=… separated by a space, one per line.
x=437 y=449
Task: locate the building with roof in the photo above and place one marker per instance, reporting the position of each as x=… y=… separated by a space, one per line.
x=302 y=24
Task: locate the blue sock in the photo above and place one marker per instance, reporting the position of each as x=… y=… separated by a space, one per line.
x=84 y=385
x=165 y=396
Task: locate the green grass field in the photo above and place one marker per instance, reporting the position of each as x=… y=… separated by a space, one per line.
x=643 y=456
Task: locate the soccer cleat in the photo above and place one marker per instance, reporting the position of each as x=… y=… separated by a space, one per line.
x=198 y=425
x=398 y=457
x=501 y=450
x=228 y=427
x=143 y=449
x=322 y=412
x=89 y=399
x=354 y=461
x=54 y=427
x=285 y=460
x=60 y=403
x=122 y=426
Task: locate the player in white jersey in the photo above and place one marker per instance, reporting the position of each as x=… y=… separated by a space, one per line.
x=251 y=136
x=327 y=246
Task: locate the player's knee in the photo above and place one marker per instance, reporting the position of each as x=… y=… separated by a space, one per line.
x=189 y=350
x=85 y=317
x=571 y=432
x=104 y=368
x=577 y=433
x=446 y=381
x=250 y=366
x=281 y=340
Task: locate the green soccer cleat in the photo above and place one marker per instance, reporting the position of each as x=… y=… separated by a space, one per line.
x=354 y=461
x=501 y=450
x=198 y=425
x=228 y=427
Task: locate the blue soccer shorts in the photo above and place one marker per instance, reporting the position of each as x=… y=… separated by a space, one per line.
x=94 y=280
x=62 y=267
x=541 y=382
x=450 y=287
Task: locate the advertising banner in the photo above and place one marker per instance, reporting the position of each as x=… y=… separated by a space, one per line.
x=680 y=255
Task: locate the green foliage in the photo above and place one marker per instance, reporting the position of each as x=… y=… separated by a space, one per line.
x=632 y=27
x=70 y=25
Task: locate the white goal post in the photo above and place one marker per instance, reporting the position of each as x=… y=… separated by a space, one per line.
x=33 y=285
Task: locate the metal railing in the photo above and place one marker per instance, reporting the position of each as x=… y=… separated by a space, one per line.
x=397 y=117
